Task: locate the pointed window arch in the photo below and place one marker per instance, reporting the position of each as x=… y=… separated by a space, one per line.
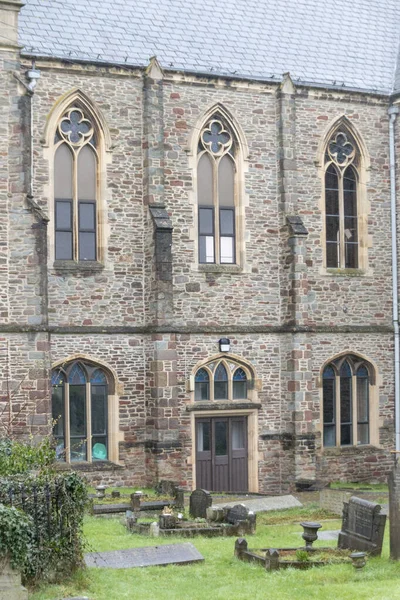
x=346 y=383
x=80 y=412
x=76 y=185
x=217 y=191
x=341 y=181
x=222 y=379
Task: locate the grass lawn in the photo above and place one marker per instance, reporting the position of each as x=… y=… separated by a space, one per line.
x=371 y=487
x=223 y=577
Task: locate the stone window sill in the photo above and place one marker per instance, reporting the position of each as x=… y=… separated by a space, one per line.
x=98 y=465
x=72 y=266
x=345 y=272
x=340 y=450
x=203 y=268
x=244 y=405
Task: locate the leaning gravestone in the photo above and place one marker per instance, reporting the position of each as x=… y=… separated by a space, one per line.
x=171 y=554
x=237 y=513
x=200 y=500
x=363 y=526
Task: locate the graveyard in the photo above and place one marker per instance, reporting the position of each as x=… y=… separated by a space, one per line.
x=119 y=561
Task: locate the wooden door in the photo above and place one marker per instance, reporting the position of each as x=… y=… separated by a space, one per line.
x=221 y=454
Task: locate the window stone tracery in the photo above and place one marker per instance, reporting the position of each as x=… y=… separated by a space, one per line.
x=341 y=201
x=75 y=187
x=217 y=192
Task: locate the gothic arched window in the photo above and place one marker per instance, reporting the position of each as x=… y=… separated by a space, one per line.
x=80 y=412
x=75 y=187
x=342 y=160
x=221 y=380
x=346 y=384
x=216 y=192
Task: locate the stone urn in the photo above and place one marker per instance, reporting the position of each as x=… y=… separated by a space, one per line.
x=101 y=491
x=358 y=559
x=310 y=533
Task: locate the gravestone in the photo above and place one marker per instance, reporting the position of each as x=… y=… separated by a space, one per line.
x=165 y=487
x=237 y=513
x=362 y=527
x=200 y=500
x=150 y=556
x=394 y=511
x=115 y=494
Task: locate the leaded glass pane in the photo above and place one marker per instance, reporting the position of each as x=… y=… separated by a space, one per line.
x=227 y=250
x=205 y=180
x=329 y=404
x=238 y=435
x=77 y=375
x=345 y=405
x=63 y=172
x=63 y=245
x=87 y=246
x=98 y=377
x=57 y=378
x=220 y=373
x=206 y=221
x=203 y=437
x=87 y=174
x=63 y=214
x=202 y=375
x=226 y=181
x=221 y=438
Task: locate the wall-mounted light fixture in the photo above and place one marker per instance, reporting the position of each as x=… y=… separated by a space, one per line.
x=224 y=345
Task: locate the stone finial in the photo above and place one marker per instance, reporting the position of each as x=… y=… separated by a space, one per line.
x=287 y=86
x=154 y=70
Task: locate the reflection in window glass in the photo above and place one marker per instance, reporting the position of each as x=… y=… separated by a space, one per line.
x=239 y=385
x=202 y=385
x=238 y=435
x=203 y=437
x=221 y=438
x=220 y=383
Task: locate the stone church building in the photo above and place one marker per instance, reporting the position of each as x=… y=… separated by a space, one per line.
x=196 y=240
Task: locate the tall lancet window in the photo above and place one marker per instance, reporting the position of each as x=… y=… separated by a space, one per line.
x=341 y=202
x=75 y=187
x=216 y=193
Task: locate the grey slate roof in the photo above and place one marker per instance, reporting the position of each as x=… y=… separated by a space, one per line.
x=354 y=43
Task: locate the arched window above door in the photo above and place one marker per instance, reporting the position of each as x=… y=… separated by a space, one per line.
x=222 y=380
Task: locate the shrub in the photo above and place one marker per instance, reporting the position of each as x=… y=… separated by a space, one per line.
x=15 y=536
x=19 y=457
x=55 y=505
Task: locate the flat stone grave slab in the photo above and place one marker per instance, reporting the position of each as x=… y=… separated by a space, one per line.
x=264 y=504
x=150 y=556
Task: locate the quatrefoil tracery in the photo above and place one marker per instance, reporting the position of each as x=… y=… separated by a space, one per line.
x=215 y=138
x=75 y=128
x=340 y=150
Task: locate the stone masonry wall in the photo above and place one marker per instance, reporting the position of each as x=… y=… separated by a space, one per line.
x=281 y=310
